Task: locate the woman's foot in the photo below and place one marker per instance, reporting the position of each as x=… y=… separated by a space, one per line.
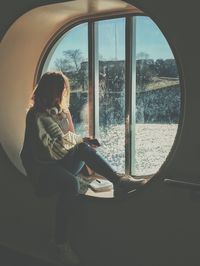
x=127 y=184
x=64 y=253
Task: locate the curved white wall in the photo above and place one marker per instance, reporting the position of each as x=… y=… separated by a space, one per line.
x=20 y=52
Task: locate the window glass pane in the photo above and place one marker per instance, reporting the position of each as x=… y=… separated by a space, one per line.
x=157 y=90
x=70 y=55
x=111 y=43
x=157 y=97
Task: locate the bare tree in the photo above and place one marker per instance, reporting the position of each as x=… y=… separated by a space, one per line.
x=62 y=65
x=71 y=61
x=74 y=58
x=142 y=55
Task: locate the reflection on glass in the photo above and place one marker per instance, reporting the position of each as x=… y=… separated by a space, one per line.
x=157 y=97
x=111 y=43
x=70 y=55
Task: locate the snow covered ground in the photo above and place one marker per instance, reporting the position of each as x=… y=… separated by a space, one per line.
x=153 y=144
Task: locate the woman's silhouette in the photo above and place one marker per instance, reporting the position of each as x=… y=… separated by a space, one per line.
x=53 y=155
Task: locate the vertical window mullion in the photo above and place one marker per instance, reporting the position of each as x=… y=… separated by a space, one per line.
x=133 y=99
x=130 y=96
x=93 y=74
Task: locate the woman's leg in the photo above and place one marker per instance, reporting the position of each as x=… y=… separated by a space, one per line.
x=56 y=179
x=85 y=153
x=72 y=163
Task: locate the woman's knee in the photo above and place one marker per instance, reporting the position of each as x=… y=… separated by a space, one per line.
x=82 y=145
x=84 y=148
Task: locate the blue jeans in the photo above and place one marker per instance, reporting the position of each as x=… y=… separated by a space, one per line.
x=84 y=154
x=60 y=178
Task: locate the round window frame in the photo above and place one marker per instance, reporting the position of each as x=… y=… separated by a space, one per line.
x=119 y=14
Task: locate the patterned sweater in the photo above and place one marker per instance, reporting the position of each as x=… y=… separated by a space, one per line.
x=47 y=139
x=54 y=135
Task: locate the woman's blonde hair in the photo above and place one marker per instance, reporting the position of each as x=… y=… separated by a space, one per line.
x=52 y=90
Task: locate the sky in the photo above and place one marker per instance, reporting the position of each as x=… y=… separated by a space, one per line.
x=150 y=42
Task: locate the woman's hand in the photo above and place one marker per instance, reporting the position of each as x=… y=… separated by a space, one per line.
x=91 y=141
x=87 y=139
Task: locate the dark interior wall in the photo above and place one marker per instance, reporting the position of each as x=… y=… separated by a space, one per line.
x=157 y=226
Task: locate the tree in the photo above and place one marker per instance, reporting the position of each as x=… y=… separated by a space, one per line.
x=142 y=55
x=145 y=71
x=160 y=67
x=71 y=61
x=74 y=58
x=166 y=68
x=171 y=68
x=62 y=65
x=72 y=65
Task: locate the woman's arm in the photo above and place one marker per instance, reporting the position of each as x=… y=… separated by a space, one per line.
x=53 y=143
x=50 y=144
x=69 y=118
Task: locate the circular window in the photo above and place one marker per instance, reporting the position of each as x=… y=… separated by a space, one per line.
x=136 y=136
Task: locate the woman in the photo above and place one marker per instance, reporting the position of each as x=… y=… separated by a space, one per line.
x=53 y=155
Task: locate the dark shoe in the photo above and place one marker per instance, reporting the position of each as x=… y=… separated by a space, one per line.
x=127 y=184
